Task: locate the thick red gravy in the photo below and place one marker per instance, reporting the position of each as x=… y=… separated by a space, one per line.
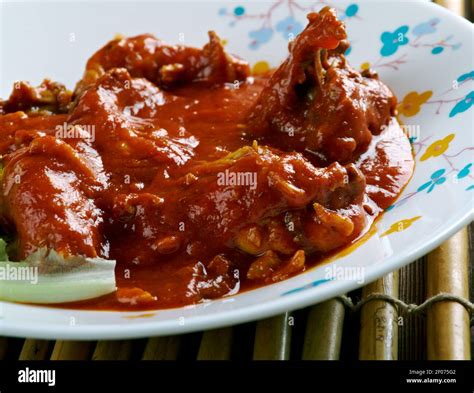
x=198 y=179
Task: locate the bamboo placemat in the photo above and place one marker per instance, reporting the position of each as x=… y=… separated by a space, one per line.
x=325 y=331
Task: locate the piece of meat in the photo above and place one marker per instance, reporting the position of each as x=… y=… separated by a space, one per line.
x=49 y=97
x=71 y=163
x=18 y=129
x=269 y=267
x=253 y=187
x=125 y=114
x=47 y=197
x=165 y=65
x=315 y=102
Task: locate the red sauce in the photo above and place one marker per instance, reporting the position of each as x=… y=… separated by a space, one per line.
x=198 y=179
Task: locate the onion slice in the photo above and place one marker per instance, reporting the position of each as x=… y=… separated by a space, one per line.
x=47 y=277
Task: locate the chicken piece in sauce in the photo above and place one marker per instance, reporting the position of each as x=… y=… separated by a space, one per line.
x=165 y=65
x=315 y=102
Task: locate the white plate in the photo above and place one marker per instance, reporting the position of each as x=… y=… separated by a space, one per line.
x=55 y=39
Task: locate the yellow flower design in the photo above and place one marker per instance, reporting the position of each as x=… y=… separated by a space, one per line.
x=437 y=148
x=400 y=225
x=412 y=103
x=260 y=67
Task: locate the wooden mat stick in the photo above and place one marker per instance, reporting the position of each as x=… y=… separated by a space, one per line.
x=3 y=347
x=113 y=350
x=162 y=348
x=35 y=349
x=448 y=322
x=457 y=6
x=72 y=350
x=216 y=344
x=324 y=331
x=379 y=322
x=447 y=271
x=412 y=333
x=273 y=338
x=471 y=281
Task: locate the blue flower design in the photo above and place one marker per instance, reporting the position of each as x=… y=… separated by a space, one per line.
x=392 y=41
x=260 y=36
x=470 y=188
x=464 y=171
x=348 y=50
x=466 y=76
x=463 y=105
x=239 y=10
x=352 y=10
x=437 y=179
x=437 y=50
x=310 y=285
x=425 y=28
x=289 y=27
